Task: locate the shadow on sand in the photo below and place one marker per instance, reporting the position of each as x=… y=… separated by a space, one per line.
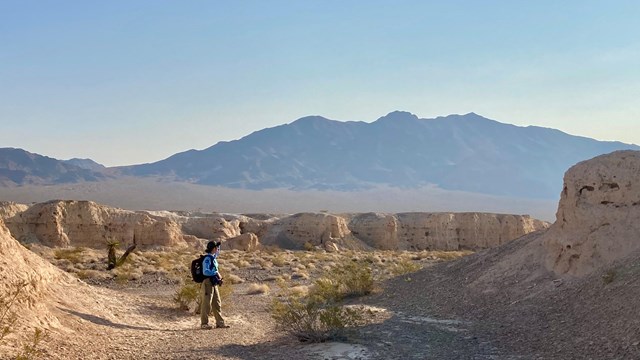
x=100 y=321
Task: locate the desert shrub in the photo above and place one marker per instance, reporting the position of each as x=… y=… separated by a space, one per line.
x=449 y=255
x=404 y=266
x=30 y=349
x=279 y=260
x=255 y=289
x=233 y=279
x=8 y=318
x=312 y=318
x=609 y=276
x=353 y=278
x=308 y=246
x=127 y=273
x=241 y=264
x=188 y=296
x=73 y=255
x=300 y=290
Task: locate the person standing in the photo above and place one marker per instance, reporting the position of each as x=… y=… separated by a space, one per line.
x=210 y=288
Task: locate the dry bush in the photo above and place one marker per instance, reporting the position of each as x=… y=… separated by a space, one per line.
x=242 y=264
x=73 y=255
x=189 y=296
x=279 y=260
x=233 y=279
x=299 y=291
x=255 y=289
x=92 y=274
x=127 y=273
x=404 y=266
x=448 y=255
x=8 y=318
x=609 y=276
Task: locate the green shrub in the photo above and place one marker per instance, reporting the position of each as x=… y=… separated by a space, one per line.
x=312 y=318
x=319 y=316
x=188 y=295
x=353 y=278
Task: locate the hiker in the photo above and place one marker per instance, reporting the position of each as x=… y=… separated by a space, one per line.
x=210 y=288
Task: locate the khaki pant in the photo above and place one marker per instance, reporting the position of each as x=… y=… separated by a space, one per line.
x=210 y=296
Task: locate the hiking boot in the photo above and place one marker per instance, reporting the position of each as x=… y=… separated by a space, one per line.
x=223 y=326
x=206 y=327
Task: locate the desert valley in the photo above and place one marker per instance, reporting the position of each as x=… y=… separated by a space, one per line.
x=319 y=180
x=428 y=286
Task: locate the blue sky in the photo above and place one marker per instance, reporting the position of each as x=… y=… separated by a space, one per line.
x=128 y=82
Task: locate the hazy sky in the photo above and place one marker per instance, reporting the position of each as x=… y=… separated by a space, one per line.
x=128 y=82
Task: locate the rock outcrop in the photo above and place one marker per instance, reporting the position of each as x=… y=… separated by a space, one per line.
x=308 y=228
x=598 y=218
x=85 y=223
x=10 y=209
x=244 y=242
x=441 y=231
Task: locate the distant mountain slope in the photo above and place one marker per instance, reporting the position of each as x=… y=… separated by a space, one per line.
x=20 y=167
x=86 y=164
x=456 y=152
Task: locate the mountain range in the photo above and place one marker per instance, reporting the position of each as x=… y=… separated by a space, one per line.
x=457 y=152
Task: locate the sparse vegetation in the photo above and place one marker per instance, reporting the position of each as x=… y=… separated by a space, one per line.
x=404 y=266
x=187 y=296
x=309 y=246
x=73 y=255
x=609 y=276
x=315 y=315
x=353 y=279
x=255 y=289
x=8 y=318
x=278 y=260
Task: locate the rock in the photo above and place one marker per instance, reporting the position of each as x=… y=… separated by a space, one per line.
x=330 y=246
x=244 y=242
x=85 y=223
x=10 y=209
x=598 y=217
x=441 y=231
x=313 y=228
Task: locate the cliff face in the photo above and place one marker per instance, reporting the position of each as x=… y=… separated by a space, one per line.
x=597 y=219
x=441 y=231
x=84 y=223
